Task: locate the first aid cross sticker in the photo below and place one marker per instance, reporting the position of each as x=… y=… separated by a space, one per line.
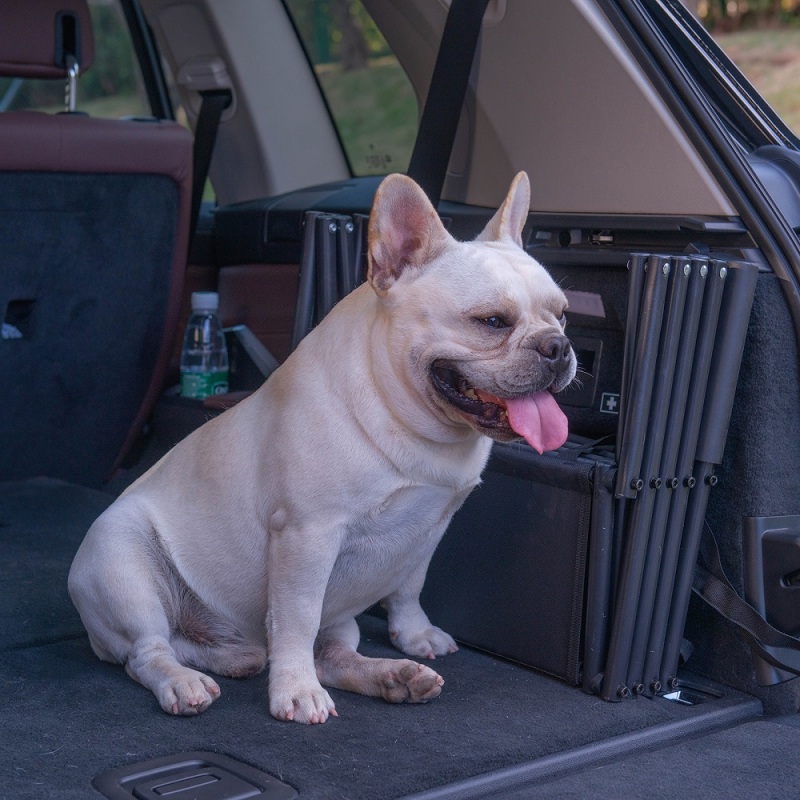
x=609 y=403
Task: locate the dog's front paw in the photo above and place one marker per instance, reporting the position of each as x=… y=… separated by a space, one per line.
x=427 y=643
x=409 y=682
x=306 y=703
x=188 y=694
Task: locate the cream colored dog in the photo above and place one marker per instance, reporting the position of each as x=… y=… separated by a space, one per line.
x=264 y=533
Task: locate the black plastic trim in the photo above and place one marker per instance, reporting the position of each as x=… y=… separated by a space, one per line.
x=206 y=776
x=533 y=773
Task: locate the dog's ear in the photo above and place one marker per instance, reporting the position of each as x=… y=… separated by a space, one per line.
x=405 y=232
x=510 y=218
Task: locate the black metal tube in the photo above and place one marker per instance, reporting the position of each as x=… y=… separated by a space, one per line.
x=650 y=538
x=641 y=450
x=637 y=268
x=665 y=542
x=640 y=388
x=733 y=323
x=304 y=306
x=325 y=267
x=345 y=247
x=698 y=387
x=723 y=375
x=598 y=581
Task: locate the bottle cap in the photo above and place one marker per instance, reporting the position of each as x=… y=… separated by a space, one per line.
x=205 y=301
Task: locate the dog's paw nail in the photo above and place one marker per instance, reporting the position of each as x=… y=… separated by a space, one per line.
x=440 y=680
x=393 y=635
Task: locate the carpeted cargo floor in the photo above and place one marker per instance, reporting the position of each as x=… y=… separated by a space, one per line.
x=66 y=716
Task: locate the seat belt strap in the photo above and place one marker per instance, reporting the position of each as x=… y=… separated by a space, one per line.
x=712 y=585
x=214 y=102
x=448 y=88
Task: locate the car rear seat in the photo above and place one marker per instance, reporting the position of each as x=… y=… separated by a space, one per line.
x=94 y=221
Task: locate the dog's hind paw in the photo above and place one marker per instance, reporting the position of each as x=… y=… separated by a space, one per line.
x=310 y=705
x=409 y=682
x=428 y=643
x=188 y=694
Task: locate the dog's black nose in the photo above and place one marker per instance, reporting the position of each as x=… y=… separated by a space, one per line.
x=555 y=349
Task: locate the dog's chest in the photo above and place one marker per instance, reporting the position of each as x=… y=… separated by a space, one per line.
x=405 y=519
x=384 y=545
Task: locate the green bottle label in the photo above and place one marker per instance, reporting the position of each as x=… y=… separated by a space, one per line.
x=200 y=385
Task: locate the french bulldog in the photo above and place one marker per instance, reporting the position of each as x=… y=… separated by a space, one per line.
x=262 y=535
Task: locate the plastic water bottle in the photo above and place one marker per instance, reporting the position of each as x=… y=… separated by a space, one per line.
x=204 y=358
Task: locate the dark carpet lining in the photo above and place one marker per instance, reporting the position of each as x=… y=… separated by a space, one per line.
x=67 y=716
x=756 y=759
x=42 y=522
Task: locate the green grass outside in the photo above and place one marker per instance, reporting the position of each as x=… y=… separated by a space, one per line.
x=376 y=112
x=770 y=59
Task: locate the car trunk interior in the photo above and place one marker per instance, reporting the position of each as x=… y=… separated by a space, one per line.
x=500 y=724
x=541 y=577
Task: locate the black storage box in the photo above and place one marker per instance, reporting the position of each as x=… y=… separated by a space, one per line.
x=510 y=575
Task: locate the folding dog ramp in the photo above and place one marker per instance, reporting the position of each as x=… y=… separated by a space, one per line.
x=684 y=357
x=580 y=562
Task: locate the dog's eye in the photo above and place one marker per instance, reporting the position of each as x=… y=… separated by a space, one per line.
x=494 y=322
x=562 y=320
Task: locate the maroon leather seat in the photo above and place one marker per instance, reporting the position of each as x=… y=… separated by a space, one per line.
x=94 y=221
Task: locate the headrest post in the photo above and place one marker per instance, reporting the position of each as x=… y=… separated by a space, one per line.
x=71 y=83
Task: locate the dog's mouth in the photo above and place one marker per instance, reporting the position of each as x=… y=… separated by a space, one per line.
x=535 y=417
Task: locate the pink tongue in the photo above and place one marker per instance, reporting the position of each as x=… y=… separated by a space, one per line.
x=539 y=420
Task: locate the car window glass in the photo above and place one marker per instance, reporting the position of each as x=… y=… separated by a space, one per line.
x=112 y=87
x=369 y=95
x=763 y=39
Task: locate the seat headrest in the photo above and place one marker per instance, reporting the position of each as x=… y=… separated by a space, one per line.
x=36 y=36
